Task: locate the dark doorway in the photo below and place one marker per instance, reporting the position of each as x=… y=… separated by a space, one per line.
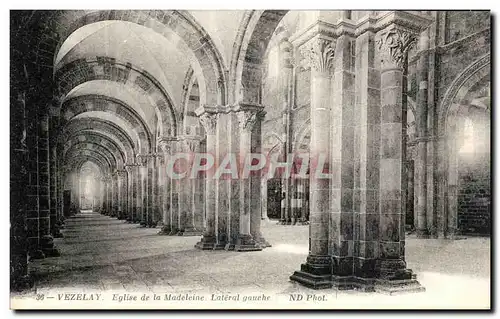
x=274 y=198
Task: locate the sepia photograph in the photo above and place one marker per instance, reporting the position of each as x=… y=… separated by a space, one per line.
x=250 y=159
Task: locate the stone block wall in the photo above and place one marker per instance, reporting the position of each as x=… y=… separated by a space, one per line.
x=474 y=197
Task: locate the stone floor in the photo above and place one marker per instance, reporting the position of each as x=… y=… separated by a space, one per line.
x=102 y=254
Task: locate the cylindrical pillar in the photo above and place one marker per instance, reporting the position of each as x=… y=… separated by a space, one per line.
x=187 y=194
x=420 y=185
x=393 y=51
x=255 y=185
x=247 y=117
x=209 y=239
x=44 y=231
x=166 y=187
x=316 y=272
x=19 y=189
x=123 y=194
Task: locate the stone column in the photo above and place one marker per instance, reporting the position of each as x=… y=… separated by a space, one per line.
x=60 y=190
x=316 y=272
x=130 y=196
x=103 y=196
x=142 y=189
x=114 y=194
x=366 y=152
x=166 y=187
x=393 y=44
x=174 y=194
x=150 y=187
x=247 y=117
x=159 y=186
x=136 y=193
x=285 y=85
x=153 y=211
x=210 y=240
x=44 y=231
x=422 y=138
x=109 y=196
x=263 y=196
x=255 y=184
x=342 y=240
x=122 y=194
x=228 y=188
x=187 y=194
x=19 y=190
x=55 y=222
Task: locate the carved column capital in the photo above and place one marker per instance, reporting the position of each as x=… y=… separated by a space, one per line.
x=318 y=54
x=165 y=144
x=247 y=115
x=246 y=120
x=395 y=43
x=209 y=122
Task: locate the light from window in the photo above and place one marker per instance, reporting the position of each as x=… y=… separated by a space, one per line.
x=468 y=137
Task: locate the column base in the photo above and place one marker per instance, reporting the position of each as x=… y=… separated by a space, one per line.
x=315 y=273
x=220 y=246
x=173 y=232
x=57 y=234
x=47 y=246
x=22 y=283
x=36 y=254
x=264 y=243
x=422 y=233
x=165 y=230
x=206 y=243
x=396 y=287
x=190 y=232
x=246 y=243
x=261 y=241
x=51 y=252
x=151 y=224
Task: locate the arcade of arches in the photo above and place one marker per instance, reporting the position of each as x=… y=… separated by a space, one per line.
x=399 y=100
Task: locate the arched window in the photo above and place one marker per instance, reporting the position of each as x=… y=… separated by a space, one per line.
x=468 y=137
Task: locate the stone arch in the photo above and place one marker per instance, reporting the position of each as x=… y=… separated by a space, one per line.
x=450 y=110
x=95 y=138
x=87 y=103
x=181 y=23
x=114 y=160
x=254 y=33
x=86 y=153
x=460 y=87
x=102 y=68
x=189 y=79
x=81 y=162
x=101 y=126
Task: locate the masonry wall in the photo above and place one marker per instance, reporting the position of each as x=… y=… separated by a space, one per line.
x=474 y=196
x=467 y=39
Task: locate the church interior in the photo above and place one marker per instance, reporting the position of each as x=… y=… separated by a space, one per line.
x=101 y=100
